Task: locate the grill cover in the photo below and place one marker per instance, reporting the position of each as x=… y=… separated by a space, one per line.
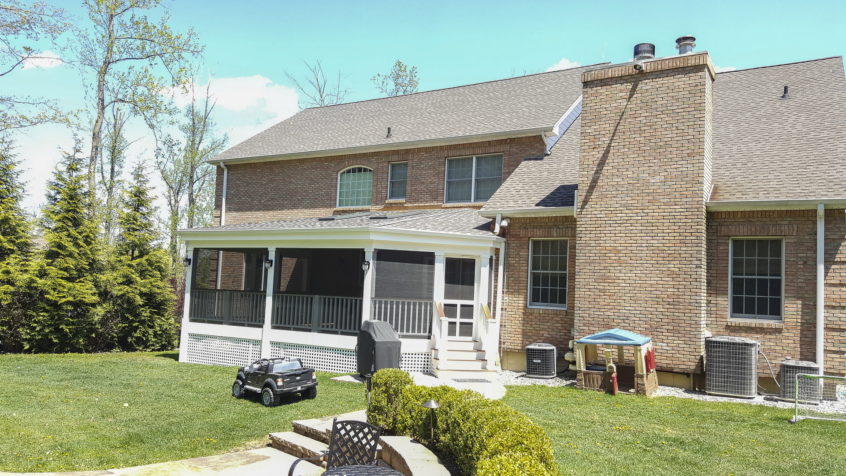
x=378 y=348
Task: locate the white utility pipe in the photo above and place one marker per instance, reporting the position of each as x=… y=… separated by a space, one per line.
x=223 y=195
x=821 y=287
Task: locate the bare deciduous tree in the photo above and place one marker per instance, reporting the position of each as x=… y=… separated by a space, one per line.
x=400 y=80
x=133 y=60
x=316 y=90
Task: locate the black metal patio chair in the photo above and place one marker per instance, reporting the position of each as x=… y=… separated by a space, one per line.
x=351 y=443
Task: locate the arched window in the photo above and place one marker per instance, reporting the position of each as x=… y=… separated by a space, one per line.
x=354 y=187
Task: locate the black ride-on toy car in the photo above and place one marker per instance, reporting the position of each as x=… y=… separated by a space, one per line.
x=273 y=378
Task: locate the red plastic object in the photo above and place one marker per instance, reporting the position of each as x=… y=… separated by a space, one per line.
x=650 y=360
x=614 y=387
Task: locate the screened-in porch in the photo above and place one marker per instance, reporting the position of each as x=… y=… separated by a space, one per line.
x=313 y=290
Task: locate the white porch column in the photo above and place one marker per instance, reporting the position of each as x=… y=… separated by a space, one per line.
x=438 y=297
x=186 y=307
x=268 y=304
x=484 y=283
x=367 y=291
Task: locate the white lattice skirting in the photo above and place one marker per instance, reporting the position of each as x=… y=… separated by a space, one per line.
x=218 y=350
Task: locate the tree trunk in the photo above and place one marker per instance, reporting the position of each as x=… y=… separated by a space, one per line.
x=96 y=133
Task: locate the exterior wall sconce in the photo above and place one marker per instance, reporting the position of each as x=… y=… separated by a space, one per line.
x=268 y=263
x=186 y=261
x=365 y=265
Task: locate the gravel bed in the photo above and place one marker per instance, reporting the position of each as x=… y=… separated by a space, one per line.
x=507 y=377
x=838 y=406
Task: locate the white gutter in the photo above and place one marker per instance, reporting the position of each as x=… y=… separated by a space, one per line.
x=528 y=212
x=787 y=204
x=821 y=287
x=223 y=194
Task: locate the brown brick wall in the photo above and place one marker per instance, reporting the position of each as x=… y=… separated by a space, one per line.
x=795 y=336
x=641 y=211
x=835 y=292
x=264 y=191
x=522 y=325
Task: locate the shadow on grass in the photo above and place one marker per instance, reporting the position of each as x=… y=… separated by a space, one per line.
x=170 y=354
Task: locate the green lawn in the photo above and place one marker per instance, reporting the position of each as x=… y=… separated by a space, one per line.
x=75 y=412
x=594 y=433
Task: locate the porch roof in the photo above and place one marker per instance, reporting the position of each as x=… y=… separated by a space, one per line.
x=458 y=221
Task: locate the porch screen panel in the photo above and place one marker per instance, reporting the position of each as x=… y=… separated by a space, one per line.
x=459 y=279
x=404 y=274
x=229 y=269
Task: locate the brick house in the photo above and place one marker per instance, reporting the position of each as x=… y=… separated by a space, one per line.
x=656 y=195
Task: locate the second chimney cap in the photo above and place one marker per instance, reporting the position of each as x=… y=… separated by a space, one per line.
x=644 y=51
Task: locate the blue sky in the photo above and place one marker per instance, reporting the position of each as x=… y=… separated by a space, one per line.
x=251 y=45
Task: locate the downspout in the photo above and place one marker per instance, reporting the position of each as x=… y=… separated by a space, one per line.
x=223 y=194
x=821 y=287
x=500 y=278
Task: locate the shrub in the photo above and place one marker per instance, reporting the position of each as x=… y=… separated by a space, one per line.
x=386 y=388
x=482 y=436
x=512 y=464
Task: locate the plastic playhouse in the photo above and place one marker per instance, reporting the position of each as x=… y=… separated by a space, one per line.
x=633 y=371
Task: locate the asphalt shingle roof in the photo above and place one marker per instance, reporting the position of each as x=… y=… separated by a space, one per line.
x=516 y=104
x=764 y=147
x=461 y=221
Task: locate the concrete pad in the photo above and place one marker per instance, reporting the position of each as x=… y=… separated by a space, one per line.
x=258 y=461
x=491 y=389
x=348 y=379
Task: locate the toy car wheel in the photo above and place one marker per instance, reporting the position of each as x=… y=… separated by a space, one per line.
x=237 y=389
x=310 y=393
x=268 y=397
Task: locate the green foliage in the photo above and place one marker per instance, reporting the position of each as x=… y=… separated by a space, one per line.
x=400 y=80
x=15 y=251
x=137 y=299
x=386 y=388
x=469 y=428
x=64 y=318
x=512 y=464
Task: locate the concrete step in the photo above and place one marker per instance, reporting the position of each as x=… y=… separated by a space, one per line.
x=463 y=345
x=320 y=429
x=462 y=354
x=411 y=458
x=297 y=445
x=453 y=364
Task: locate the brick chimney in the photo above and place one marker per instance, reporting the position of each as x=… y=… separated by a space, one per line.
x=644 y=177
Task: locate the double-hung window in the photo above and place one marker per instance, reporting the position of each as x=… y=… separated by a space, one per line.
x=397 y=179
x=548 y=273
x=757 y=274
x=354 y=187
x=472 y=179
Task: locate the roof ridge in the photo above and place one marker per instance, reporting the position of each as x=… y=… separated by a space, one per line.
x=781 y=64
x=457 y=86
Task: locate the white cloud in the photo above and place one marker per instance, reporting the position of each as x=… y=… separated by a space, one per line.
x=245 y=105
x=44 y=60
x=723 y=69
x=563 y=63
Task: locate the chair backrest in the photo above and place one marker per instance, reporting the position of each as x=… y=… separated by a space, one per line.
x=352 y=442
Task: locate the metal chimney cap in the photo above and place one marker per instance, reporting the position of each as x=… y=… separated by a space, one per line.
x=685 y=44
x=644 y=51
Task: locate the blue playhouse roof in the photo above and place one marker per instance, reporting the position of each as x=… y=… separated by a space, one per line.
x=615 y=337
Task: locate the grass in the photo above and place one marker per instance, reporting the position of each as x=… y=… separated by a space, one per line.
x=82 y=412
x=593 y=433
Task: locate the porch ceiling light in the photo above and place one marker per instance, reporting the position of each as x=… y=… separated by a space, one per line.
x=365 y=265
x=268 y=263
x=186 y=261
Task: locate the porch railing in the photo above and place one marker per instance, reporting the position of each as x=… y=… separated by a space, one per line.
x=220 y=306
x=409 y=317
x=327 y=314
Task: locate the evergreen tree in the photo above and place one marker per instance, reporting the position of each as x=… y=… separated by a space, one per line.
x=64 y=318
x=138 y=300
x=15 y=252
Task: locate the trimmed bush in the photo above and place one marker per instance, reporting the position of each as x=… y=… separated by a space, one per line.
x=483 y=437
x=386 y=387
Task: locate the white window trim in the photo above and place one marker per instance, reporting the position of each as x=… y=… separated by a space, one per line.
x=754 y=317
x=473 y=177
x=390 y=169
x=338 y=188
x=529 y=277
